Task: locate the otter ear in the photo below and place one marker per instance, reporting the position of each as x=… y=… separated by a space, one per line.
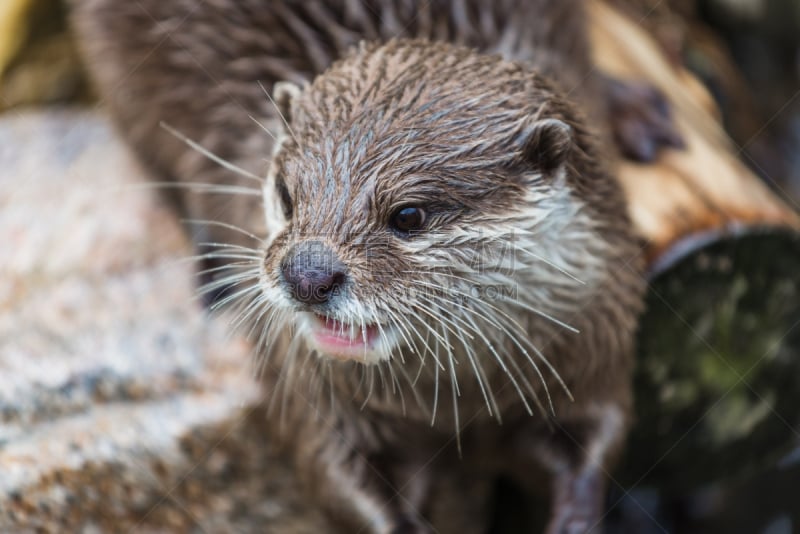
x=284 y=94
x=548 y=143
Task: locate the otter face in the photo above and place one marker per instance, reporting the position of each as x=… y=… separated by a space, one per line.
x=411 y=182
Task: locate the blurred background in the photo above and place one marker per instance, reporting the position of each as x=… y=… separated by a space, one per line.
x=747 y=52
x=737 y=472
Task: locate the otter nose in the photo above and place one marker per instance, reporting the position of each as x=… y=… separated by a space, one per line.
x=312 y=272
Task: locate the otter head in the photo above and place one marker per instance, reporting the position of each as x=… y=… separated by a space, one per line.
x=411 y=177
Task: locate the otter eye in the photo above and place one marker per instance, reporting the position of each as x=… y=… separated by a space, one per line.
x=408 y=219
x=286 y=198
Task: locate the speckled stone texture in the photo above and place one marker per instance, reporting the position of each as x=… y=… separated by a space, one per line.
x=123 y=406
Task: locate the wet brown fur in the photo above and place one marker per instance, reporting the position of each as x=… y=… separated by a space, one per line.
x=477 y=152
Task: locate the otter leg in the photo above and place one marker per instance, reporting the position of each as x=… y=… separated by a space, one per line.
x=578 y=496
x=577 y=454
x=406 y=488
x=641 y=119
x=364 y=494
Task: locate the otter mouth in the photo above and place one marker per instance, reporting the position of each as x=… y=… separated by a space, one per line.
x=344 y=341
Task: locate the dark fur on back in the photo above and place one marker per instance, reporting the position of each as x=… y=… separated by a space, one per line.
x=195 y=66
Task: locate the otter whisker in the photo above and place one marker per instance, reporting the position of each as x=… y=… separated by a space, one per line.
x=288 y=376
x=234 y=296
x=249 y=291
x=216 y=255
x=515 y=339
x=501 y=361
x=539 y=312
x=455 y=394
x=406 y=326
x=396 y=384
x=424 y=340
x=277 y=319
x=244 y=315
x=402 y=328
x=233 y=266
x=383 y=335
x=234 y=278
x=315 y=384
x=427 y=312
x=417 y=397
x=483 y=381
x=275 y=322
x=488 y=317
x=228 y=247
x=239 y=309
x=383 y=386
x=407 y=330
x=245 y=302
x=362 y=372
x=198 y=187
x=225 y=225
x=266 y=343
x=264 y=317
x=535 y=367
x=513 y=362
x=519 y=303
x=210 y=155
x=523 y=338
x=259 y=308
x=267 y=130
x=280 y=113
x=280 y=382
x=435 y=388
x=498 y=358
x=386 y=339
x=421 y=367
x=547 y=262
x=430 y=314
x=480 y=375
x=326 y=366
x=229 y=281
x=371 y=387
x=364 y=335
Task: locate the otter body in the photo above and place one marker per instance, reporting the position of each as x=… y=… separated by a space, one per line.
x=442 y=246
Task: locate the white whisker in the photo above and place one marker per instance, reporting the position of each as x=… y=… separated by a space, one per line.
x=280 y=113
x=198 y=187
x=223 y=225
x=210 y=155
x=267 y=130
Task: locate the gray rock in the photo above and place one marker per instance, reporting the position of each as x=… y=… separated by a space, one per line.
x=122 y=404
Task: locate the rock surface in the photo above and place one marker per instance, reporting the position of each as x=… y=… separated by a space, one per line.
x=123 y=406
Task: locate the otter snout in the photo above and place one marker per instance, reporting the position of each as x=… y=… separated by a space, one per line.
x=312 y=272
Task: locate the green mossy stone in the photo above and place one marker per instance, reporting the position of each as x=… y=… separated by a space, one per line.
x=718 y=378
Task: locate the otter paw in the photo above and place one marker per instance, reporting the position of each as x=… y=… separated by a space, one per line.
x=410 y=525
x=574 y=520
x=641 y=120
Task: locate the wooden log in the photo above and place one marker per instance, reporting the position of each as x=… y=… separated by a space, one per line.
x=704 y=188
x=718 y=368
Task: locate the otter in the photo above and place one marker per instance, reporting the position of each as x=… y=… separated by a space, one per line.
x=442 y=255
